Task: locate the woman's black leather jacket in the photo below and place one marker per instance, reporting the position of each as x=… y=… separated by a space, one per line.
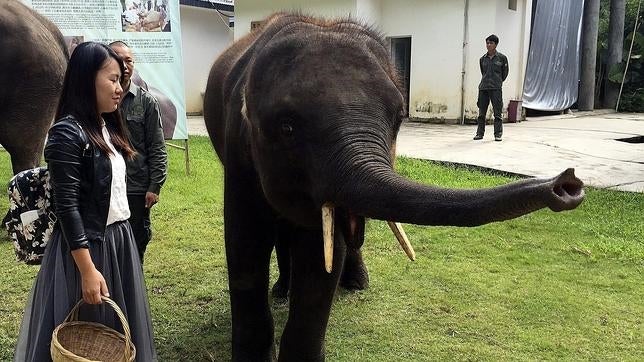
x=80 y=176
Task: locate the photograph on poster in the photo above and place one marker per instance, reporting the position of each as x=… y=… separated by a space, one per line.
x=145 y=16
x=72 y=42
x=167 y=109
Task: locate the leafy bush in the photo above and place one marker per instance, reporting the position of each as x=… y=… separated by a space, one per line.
x=632 y=98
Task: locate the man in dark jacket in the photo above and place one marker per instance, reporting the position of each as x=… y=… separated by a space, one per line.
x=147 y=172
x=494 y=70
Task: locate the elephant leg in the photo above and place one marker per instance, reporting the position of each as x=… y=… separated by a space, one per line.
x=25 y=153
x=310 y=297
x=24 y=124
x=283 y=254
x=25 y=159
x=249 y=243
x=354 y=275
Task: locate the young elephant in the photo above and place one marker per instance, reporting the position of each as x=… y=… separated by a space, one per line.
x=304 y=114
x=32 y=65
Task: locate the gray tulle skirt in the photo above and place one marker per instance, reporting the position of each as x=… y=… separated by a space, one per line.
x=58 y=287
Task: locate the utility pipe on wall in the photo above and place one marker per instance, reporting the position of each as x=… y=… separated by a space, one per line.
x=526 y=28
x=464 y=61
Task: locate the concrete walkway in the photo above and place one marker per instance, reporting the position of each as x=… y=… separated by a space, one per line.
x=540 y=147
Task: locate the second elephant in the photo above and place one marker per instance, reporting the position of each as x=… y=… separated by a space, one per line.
x=32 y=66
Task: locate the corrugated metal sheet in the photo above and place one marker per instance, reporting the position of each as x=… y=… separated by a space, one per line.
x=552 y=74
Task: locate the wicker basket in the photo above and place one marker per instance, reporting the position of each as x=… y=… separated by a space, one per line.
x=78 y=341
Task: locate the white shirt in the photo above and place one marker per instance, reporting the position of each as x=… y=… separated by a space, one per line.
x=119 y=209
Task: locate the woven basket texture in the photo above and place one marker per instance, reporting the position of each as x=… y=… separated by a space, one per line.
x=79 y=341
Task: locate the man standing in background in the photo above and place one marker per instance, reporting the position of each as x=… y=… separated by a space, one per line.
x=147 y=172
x=494 y=70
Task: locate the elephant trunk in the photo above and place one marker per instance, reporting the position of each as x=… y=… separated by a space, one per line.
x=371 y=188
x=385 y=195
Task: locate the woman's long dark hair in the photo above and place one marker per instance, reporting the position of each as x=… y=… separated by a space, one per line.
x=78 y=97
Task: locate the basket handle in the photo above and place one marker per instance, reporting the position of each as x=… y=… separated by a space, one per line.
x=73 y=316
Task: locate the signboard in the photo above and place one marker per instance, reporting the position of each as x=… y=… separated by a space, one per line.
x=151 y=29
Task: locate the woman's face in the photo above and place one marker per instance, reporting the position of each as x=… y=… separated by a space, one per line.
x=108 y=86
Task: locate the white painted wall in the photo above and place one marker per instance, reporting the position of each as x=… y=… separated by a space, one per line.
x=513 y=29
x=369 y=11
x=437 y=29
x=509 y=25
x=256 y=10
x=204 y=36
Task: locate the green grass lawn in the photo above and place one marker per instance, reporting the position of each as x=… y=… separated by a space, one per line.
x=546 y=286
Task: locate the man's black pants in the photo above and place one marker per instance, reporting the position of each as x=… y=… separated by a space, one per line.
x=140 y=221
x=496 y=97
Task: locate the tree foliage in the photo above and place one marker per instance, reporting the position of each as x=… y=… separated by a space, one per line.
x=632 y=98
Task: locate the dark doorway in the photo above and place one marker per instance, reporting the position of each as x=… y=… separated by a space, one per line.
x=401 y=56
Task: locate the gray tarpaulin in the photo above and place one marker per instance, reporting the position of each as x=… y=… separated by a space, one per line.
x=552 y=74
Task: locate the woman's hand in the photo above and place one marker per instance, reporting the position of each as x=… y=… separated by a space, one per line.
x=94 y=286
x=92 y=282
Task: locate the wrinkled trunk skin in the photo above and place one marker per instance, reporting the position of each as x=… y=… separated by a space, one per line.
x=387 y=196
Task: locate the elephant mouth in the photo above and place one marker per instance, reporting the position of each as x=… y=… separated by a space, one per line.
x=329 y=229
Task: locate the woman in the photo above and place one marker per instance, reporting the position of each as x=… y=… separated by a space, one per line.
x=92 y=250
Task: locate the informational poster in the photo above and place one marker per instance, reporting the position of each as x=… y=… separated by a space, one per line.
x=150 y=28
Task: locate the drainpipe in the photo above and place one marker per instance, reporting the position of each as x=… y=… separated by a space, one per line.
x=464 y=61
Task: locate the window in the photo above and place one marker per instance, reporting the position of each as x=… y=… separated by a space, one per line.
x=512 y=4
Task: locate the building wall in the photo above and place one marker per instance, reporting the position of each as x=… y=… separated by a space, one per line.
x=255 y=10
x=517 y=30
x=436 y=32
x=204 y=36
x=512 y=43
x=369 y=11
x=438 y=56
x=513 y=29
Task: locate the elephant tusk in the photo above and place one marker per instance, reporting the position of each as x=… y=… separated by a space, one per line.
x=328 y=230
x=402 y=239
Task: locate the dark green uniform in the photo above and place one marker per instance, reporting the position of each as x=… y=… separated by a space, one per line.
x=148 y=170
x=494 y=70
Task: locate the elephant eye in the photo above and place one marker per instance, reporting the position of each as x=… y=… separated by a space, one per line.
x=287 y=129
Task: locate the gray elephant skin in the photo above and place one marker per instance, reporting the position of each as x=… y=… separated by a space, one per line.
x=32 y=66
x=303 y=113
